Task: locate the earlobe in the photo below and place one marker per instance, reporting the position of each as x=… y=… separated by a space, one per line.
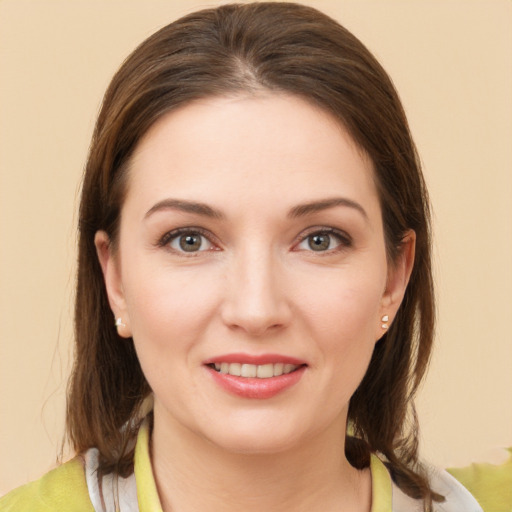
x=113 y=283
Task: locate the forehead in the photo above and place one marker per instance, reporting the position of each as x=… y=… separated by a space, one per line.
x=276 y=144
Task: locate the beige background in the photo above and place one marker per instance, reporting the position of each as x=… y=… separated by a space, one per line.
x=451 y=62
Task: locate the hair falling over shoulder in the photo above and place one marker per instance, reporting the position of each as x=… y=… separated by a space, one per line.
x=249 y=48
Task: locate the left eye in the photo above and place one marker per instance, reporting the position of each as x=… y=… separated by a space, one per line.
x=190 y=242
x=321 y=241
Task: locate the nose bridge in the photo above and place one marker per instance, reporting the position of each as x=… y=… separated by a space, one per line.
x=256 y=300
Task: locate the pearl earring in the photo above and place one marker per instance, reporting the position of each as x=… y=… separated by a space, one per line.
x=385 y=320
x=119 y=323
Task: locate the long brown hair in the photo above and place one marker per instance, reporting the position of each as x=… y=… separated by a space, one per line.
x=243 y=48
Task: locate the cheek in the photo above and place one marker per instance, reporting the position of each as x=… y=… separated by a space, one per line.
x=169 y=313
x=347 y=302
x=342 y=316
x=168 y=308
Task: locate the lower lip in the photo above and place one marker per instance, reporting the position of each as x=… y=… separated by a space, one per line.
x=251 y=387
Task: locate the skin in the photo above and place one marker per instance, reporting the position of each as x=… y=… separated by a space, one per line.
x=255 y=286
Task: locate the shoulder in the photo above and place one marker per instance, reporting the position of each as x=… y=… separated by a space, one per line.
x=490 y=484
x=457 y=497
x=388 y=496
x=64 y=488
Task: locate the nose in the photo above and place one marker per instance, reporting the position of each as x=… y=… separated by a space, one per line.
x=256 y=301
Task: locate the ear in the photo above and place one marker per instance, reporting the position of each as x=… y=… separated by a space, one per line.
x=399 y=273
x=113 y=282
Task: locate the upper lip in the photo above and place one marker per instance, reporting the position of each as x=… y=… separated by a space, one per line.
x=255 y=359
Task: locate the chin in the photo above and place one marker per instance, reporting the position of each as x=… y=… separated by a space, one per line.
x=263 y=437
x=257 y=443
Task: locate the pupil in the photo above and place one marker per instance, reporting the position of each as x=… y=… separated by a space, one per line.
x=190 y=243
x=319 y=242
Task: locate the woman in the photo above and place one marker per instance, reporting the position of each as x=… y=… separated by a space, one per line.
x=254 y=216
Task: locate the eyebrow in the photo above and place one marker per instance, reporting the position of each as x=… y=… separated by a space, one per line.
x=300 y=210
x=185 y=206
x=317 y=206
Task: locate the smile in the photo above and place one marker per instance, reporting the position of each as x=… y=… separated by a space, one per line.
x=259 y=371
x=256 y=376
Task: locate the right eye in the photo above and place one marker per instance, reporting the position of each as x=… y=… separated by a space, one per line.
x=189 y=241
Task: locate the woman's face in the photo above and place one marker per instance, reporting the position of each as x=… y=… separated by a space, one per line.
x=251 y=270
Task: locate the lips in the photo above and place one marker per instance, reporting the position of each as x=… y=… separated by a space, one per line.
x=261 y=377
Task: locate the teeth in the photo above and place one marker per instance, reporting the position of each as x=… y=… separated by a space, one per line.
x=265 y=371
x=235 y=369
x=248 y=370
x=261 y=371
x=278 y=369
x=289 y=368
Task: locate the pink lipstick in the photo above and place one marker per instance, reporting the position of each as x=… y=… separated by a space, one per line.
x=251 y=376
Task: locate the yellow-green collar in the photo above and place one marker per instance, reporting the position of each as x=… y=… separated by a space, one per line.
x=147 y=495
x=381 y=486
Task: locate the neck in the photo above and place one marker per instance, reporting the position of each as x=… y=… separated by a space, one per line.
x=193 y=474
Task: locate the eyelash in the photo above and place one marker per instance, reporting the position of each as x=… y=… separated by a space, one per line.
x=344 y=240
x=170 y=236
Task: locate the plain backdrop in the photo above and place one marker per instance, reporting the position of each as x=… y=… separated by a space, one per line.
x=452 y=64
